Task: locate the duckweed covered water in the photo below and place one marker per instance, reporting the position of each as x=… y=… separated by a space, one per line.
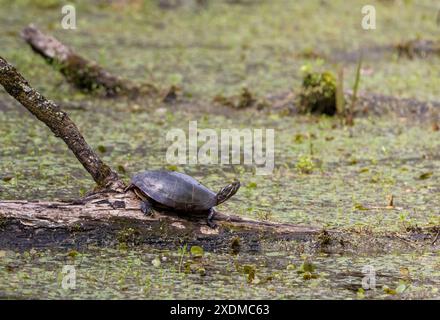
x=144 y=273
x=352 y=171
x=325 y=174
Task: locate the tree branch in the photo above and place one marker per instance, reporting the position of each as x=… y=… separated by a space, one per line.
x=60 y=124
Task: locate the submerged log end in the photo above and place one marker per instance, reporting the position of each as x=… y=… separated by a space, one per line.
x=47 y=46
x=84 y=74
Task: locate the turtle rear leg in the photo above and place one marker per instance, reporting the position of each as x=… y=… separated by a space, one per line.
x=210 y=221
x=147 y=208
x=129 y=187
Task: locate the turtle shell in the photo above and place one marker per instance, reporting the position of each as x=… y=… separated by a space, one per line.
x=175 y=190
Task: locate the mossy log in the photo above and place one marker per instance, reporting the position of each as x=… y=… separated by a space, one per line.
x=84 y=74
x=111 y=218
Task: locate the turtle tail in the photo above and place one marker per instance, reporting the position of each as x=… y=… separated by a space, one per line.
x=226 y=192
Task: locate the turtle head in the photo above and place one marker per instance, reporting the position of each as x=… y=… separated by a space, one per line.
x=226 y=192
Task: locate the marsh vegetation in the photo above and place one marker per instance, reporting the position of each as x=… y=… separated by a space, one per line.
x=237 y=64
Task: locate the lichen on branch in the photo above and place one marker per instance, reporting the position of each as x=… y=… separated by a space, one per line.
x=59 y=123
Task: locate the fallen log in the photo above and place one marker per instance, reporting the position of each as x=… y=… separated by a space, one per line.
x=110 y=218
x=84 y=74
x=418 y=48
x=111 y=214
x=368 y=104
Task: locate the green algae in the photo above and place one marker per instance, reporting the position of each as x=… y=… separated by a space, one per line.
x=144 y=273
x=226 y=47
x=325 y=174
x=318 y=93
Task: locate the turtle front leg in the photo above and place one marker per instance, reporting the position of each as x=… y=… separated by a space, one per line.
x=147 y=208
x=210 y=221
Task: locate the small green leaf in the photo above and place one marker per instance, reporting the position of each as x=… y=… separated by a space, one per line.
x=291 y=267
x=309 y=275
x=102 y=149
x=388 y=290
x=197 y=251
x=359 y=206
x=299 y=138
x=201 y=271
x=352 y=161
x=360 y=293
x=425 y=175
x=7 y=178
x=176 y=78
x=172 y=167
x=251 y=185
x=401 y=288
x=156 y=262
x=121 y=169
x=307 y=266
x=73 y=253
x=250 y=271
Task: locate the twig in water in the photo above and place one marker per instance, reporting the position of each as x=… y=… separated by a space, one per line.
x=436 y=238
x=349 y=119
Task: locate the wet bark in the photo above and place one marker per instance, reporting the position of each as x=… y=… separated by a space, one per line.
x=111 y=218
x=418 y=48
x=84 y=74
x=60 y=124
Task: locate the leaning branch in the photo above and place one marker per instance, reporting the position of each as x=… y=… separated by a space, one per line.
x=84 y=74
x=60 y=124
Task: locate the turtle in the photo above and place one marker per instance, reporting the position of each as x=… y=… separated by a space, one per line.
x=175 y=191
